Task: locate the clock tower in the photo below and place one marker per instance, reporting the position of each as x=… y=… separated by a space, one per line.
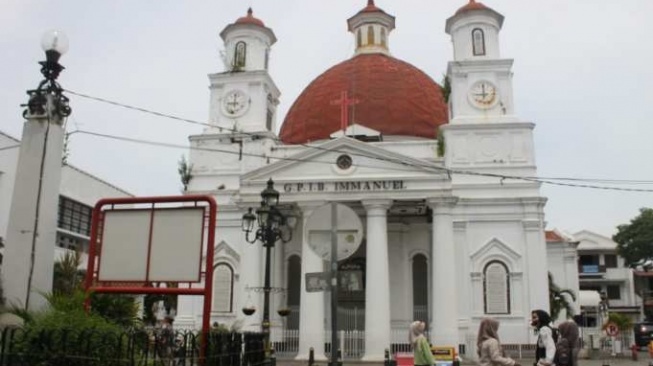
x=481 y=80
x=483 y=131
x=244 y=97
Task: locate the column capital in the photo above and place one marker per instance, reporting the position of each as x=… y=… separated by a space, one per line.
x=377 y=203
x=442 y=204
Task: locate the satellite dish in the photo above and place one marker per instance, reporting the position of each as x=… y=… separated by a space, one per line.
x=349 y=230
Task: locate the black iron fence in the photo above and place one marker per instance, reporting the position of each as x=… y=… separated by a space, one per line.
x=142 y=347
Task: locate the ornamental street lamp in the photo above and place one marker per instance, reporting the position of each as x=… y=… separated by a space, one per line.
x=48 y=96
x=273 y=225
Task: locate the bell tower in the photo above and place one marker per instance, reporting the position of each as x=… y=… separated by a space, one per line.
x=244 y=97
x=371 y=27
x=483 y=130
x=481 y=80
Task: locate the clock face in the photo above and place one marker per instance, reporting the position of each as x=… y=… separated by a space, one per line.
x=483 y=94
x=235 y=103
x=349 y=231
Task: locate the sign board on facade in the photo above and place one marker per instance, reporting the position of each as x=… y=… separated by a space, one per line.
x=317 y=281
x=348 y=228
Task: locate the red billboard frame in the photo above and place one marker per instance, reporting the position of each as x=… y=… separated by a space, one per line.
x=91 y=283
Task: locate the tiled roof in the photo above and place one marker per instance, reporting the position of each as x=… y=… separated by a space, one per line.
x=552 y=236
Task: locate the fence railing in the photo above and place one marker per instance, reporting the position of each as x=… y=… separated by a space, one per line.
x=95 y=347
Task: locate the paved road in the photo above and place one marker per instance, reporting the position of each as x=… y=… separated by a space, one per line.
x=643 y=360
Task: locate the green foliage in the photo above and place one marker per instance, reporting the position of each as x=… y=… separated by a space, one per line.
x=185 y=171
x=635 y=240
x=446 y=88
x=67 y=276
x=623 y=322
x=441 y=143
x=559 y=299
x=117 y=309
x=65 y=327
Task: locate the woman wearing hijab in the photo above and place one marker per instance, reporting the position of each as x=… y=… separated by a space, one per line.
x=567 y=346
x=488 y=345
x=422 y=355
x=546 y=347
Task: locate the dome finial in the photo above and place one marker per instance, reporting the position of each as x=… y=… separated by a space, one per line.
x=250 y=12
x=370 y=3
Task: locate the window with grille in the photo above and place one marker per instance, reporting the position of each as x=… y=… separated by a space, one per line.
x=496 y=288
x=223 y=288
x=74 y=216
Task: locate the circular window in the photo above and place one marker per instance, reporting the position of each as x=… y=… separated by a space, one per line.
x=344 y=162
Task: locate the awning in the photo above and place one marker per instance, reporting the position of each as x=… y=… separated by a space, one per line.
x=589 y=298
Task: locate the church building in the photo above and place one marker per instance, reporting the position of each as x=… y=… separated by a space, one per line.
x=448 y=237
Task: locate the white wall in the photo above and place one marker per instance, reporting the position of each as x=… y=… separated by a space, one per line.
x=8 y=161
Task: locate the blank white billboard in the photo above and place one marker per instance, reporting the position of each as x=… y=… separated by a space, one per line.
x=169 y=240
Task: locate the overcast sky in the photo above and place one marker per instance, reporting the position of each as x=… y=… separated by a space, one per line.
x=582 y=73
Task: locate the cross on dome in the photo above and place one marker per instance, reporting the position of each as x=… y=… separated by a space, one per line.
x=344 y=102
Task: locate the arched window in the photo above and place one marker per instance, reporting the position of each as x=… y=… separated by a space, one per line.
x=240 y=56
x=383 y=38
x=223 y=288
x=496 y=288
x=370 y=35
x=420 y=288
x=359 y=38
x=478 y=41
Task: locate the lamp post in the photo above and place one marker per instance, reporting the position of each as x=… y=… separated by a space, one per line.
x=31 y=229
x=273 y=225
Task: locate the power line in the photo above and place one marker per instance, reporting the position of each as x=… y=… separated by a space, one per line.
x=250 y=134
x=500 y=177
x=551 y=181
x=232 y=152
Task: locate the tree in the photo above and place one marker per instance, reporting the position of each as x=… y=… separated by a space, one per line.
x=635 y=240
x=185 y=171
x=559 y=299
x=67 y=276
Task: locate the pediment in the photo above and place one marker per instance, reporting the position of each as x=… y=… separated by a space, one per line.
x=494 y=248
x=319 y=163
x=224 y=249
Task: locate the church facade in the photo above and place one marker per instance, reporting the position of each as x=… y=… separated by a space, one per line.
x=449 y=238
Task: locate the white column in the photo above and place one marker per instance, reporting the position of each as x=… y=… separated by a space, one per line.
x=311 y=305
x=537 y=280
x=29 y=233
x=377 y=284
x=444 y=306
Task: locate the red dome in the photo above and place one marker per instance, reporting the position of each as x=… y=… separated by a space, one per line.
x=473 y=5
x=394 y=98
x=250 y=19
